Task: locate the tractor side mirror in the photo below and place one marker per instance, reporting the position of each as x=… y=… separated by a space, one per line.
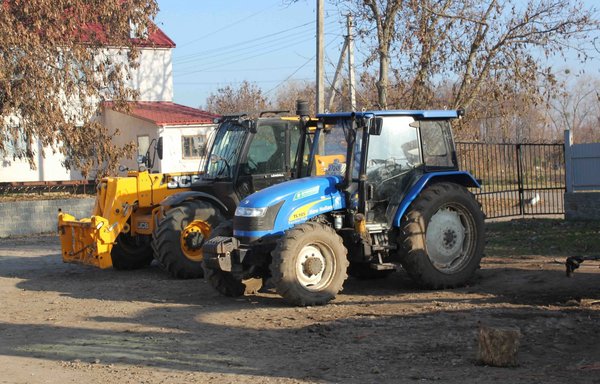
x=376 y=126
x=159 y=148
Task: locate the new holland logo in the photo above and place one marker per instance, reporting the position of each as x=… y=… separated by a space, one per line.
x=306 y=193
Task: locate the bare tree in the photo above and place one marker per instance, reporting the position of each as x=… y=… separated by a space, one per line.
x=58 y=61
x=577 y=108
x=291 y=91
x=247 y=98
x=488 y=53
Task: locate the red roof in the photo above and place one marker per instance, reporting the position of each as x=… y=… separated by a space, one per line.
x=156 y=37
x=164 y=113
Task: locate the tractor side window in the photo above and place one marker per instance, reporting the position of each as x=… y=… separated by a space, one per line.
x=434 y=136
x=266 y=154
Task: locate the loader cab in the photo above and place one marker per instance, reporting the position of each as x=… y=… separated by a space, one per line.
x=382 y=156
x=248 y=155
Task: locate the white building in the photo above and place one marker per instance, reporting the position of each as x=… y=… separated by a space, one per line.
x=184 y=129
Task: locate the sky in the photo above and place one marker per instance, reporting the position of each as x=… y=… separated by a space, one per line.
x=266 y=42
x=224 y=42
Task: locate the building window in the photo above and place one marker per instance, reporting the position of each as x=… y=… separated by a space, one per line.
x=193 y=146
x=143 y=143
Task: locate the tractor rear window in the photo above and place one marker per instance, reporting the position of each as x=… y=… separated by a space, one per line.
x=435 y=138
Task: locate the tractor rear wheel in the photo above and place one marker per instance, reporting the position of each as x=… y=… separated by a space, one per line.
x=130 y=253
x=309 y=264
x=443 y=237
x=224 y=282
x=178 y=238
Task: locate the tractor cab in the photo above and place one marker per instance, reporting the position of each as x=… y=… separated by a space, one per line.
x=248 y=155
x=381 y=156
x=382 y=189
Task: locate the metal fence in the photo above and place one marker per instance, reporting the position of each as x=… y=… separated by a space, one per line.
x=516 y=179
x=74 y=187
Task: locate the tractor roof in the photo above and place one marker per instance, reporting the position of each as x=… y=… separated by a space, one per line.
x=417 y=114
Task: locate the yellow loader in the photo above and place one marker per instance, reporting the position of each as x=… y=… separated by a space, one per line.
x=119 y=232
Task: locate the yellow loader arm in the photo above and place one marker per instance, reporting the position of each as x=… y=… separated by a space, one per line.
x=124 y=205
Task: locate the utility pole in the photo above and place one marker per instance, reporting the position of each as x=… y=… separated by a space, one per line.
x=320 y=102
x=348 y=49
x=336 y=77
x=352 y=81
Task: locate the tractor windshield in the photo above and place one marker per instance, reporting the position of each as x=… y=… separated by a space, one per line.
x=225 y=151
x=331 y=149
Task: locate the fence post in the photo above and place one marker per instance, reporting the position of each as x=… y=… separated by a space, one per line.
x=568 y=161
x=520 y=179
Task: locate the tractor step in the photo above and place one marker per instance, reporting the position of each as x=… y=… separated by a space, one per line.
x=383 y=266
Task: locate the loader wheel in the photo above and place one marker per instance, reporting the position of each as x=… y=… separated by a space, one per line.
x=130 y=253
x=443 y=237
x=224 y=282
x=309 y=264
x=178 y=238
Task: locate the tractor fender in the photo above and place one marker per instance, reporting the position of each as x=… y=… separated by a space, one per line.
x=180 y=197
x=458 y=177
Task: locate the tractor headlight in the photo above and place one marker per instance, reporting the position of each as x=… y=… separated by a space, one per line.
x=250 y=212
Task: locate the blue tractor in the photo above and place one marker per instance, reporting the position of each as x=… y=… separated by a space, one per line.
x=382 y=188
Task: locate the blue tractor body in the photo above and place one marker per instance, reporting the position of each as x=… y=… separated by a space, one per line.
x=383 y=189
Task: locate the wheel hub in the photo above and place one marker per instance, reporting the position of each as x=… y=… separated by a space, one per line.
x=312 y=266
x=192 y=237
x=194 y=240
x=445 y=237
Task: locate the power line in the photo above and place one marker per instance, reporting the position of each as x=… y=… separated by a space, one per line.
x=293 y=73
x=238 y=58
x=243 y=42
x=231 y=25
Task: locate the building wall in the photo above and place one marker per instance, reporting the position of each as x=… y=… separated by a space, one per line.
x=130 y=128
x=48 y=168
x=154 y=76
x=173 y=160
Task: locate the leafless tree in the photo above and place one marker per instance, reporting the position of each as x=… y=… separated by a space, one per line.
x=246 y=98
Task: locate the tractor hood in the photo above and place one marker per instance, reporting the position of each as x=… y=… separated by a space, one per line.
x=277 y=208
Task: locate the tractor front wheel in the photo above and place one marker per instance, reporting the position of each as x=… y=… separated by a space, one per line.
x=130 y=253
x=443 y=237
x=178 y=238
x=224 y=282
x=309 y=264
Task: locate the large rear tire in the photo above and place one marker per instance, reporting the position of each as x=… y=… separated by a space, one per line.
x=178 y=238
x=129 y=253
x=443 y=237
x=309 y=264
x=224 y=282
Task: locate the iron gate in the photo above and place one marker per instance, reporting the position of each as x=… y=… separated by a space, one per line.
x=516 y=179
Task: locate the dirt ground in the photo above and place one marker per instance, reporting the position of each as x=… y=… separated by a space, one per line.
x=63 y=323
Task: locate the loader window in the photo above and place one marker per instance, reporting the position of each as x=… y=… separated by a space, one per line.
x=222 y=161
x=267 y=152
